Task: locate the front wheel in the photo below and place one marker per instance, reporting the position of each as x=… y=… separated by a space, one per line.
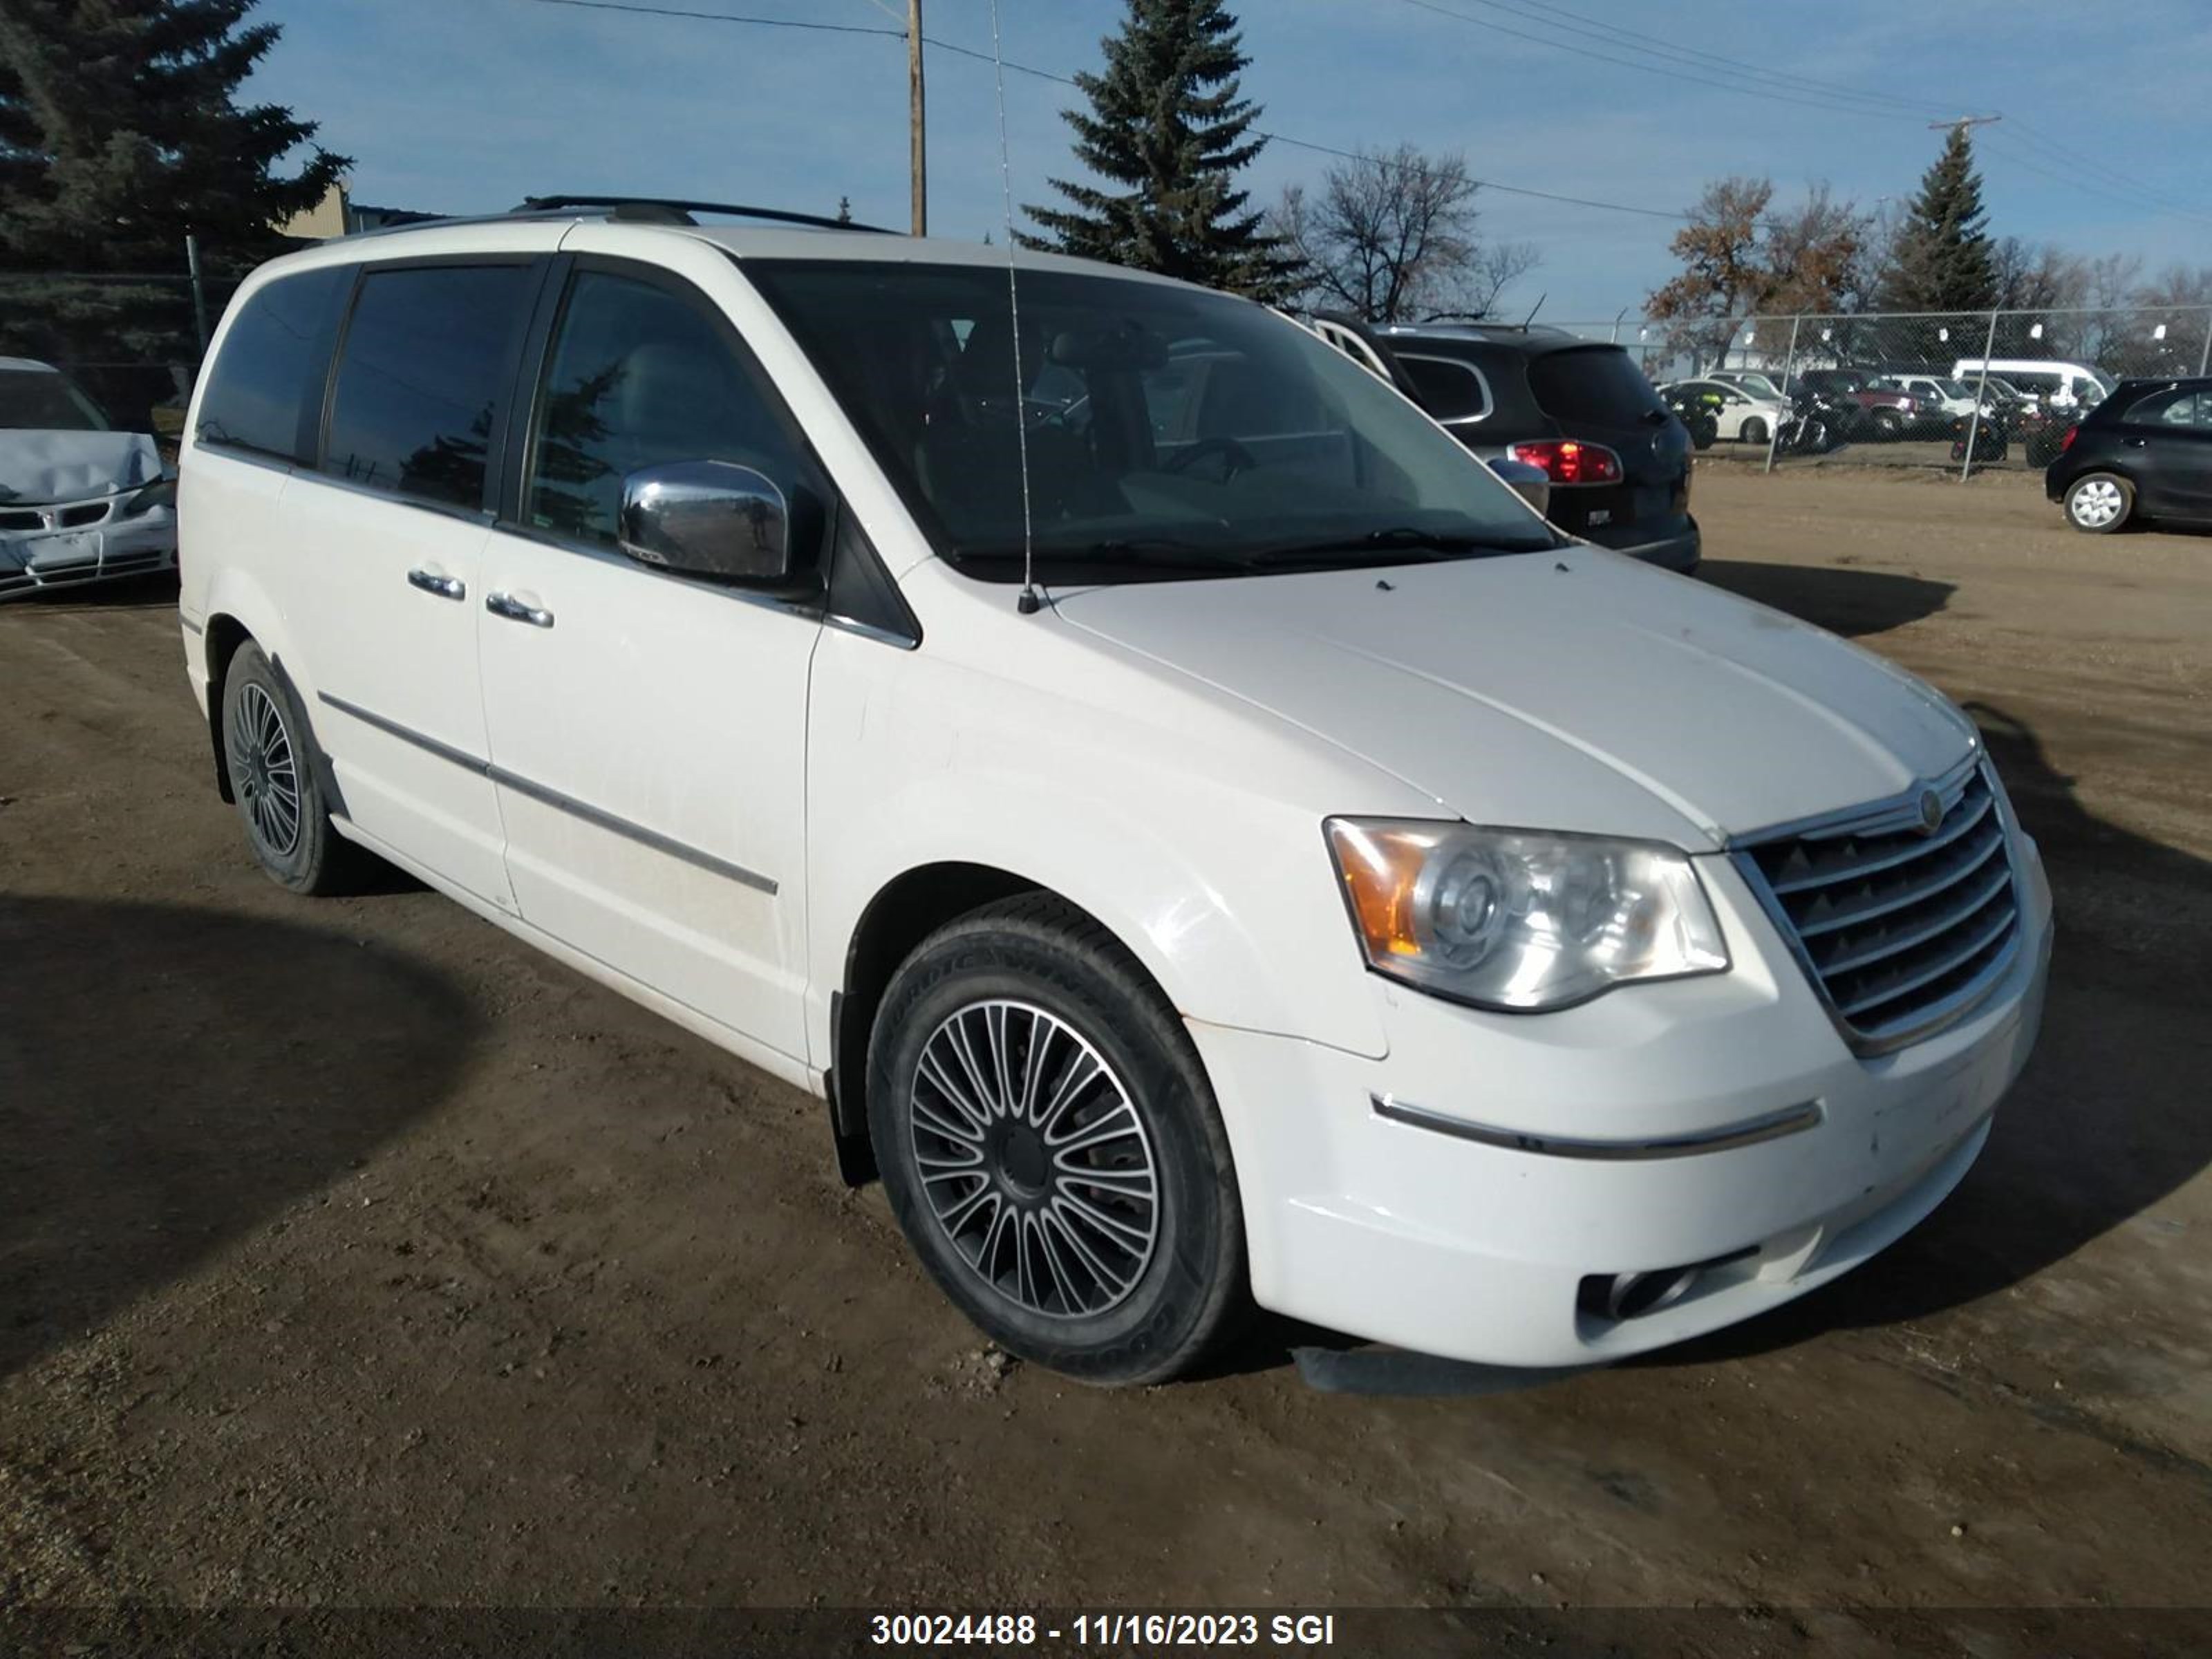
x=1051 y=1148
x=1752 y=431
x=2100 y=502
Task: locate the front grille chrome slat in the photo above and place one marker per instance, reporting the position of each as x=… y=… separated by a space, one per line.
x=1901 y=930
x=1921 y=884
x=1959 y=824
x=1888 y=944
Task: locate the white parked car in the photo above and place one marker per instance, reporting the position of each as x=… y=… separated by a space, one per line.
x=1740 y=414
x=78 y=502
x=1317 y=879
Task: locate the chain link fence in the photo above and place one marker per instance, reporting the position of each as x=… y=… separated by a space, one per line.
x=131 y=342
x=1967 y=390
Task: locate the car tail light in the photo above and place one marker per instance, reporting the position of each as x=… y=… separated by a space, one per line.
x=2066 y=439
x=1570 y=461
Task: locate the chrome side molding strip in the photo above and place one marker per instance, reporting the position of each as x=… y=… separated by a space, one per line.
x=1790 y=1121
x=553 y=797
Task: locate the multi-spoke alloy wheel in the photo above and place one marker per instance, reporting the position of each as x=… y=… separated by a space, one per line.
x=268 y=755
x=268 y=777
x=1033 y=1160
x=1051 y=1147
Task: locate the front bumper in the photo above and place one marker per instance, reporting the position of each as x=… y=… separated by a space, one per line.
x=1678 y=551
x=97 y=550
x=1408 y=1233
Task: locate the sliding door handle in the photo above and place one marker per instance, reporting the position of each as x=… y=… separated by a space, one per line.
x=436 y=581
x=514 y=609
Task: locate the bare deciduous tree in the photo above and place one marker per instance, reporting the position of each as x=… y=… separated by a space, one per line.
x=1392 y=236
x=1738 y=259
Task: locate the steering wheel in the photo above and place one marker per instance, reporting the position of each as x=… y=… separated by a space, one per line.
x=1235 y=457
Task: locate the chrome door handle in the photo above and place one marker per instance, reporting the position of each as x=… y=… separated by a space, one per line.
x=445 y=587
x=507 y=606
x=2136 y=443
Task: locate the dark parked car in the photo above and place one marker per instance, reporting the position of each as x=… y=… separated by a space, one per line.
x=1617 y=460
x=2144 y=452
x=1883 y=412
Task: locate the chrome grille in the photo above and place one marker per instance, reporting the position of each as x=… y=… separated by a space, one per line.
x=1901 y=924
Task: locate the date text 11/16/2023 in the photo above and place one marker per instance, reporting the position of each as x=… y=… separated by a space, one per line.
x=1008 y=1629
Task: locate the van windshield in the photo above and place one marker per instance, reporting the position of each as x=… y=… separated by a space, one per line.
x=1168 y=430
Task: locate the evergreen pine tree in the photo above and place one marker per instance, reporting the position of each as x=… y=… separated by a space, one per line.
x=1166 y=124
x=1943 y=258
x=120 y=131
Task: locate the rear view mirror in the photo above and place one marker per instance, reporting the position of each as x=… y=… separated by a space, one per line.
x=710 y=518
x=1531 y=483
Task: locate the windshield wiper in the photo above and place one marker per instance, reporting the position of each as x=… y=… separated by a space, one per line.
x=1165 y=552
x=1392 y=544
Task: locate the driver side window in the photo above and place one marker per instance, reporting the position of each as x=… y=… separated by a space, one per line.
x=638 y=377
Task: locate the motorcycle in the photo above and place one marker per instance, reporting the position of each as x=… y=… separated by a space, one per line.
x=1815 y=423
x=1697 y=410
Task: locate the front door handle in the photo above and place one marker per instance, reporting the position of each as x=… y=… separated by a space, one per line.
x=436 y=581
x=514 y=609
x=2135 y=443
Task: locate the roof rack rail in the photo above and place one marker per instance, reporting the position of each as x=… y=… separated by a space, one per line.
x=665 y=211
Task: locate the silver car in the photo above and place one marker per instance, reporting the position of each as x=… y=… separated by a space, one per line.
x=79 y=502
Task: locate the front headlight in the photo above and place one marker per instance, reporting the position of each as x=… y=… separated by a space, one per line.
x=1518 y=920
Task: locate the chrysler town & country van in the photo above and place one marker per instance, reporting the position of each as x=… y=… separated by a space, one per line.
x=1202 y=837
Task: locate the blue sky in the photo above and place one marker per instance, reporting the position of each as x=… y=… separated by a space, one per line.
x=461 y=106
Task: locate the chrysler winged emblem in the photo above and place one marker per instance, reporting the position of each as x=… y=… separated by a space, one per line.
x=1931 y=811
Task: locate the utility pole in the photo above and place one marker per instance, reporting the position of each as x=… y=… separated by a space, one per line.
x=917 y=136
x=1939 y=126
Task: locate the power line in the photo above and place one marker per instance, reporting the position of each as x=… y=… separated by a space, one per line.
x=1802 y=100
x=958 y=50
x=638 y=9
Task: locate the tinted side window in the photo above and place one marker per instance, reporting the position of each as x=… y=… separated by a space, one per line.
x=270 y=373
x=638 y=377
x=1450 y=391
x=2171 y=407
x=426 y=358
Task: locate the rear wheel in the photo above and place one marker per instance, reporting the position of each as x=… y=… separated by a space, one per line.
x=1051 y=1148
x=2100 y=502
x=269 y=756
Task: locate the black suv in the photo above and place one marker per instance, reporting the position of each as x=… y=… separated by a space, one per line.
x=1617 y=458
x=2144 y=452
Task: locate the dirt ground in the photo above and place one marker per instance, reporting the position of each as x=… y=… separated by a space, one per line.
x=352 y=1255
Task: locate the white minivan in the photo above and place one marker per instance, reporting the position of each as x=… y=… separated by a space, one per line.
x=1205 y=840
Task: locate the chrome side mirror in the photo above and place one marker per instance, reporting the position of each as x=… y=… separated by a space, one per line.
x=1531 y=483
x=711 y=519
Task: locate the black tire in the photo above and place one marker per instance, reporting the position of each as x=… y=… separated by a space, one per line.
x=1114 y=1320
x=269 y=754
x=1888 y=425
x=1752 y=431
x=2088 y=499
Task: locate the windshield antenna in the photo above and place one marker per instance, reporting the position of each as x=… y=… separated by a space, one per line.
x=1028 y=604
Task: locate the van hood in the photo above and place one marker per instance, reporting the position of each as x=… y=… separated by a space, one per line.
x=39 y=467
x=1573 y=690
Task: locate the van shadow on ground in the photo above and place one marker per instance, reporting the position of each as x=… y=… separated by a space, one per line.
x=171 y=1078
x=1850 y=602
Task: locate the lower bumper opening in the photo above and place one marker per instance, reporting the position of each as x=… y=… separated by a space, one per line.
x=1615 y=1299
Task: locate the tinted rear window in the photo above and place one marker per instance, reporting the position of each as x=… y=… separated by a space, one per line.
x=427 y=360
x=271 y=366
x=1602 y=385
